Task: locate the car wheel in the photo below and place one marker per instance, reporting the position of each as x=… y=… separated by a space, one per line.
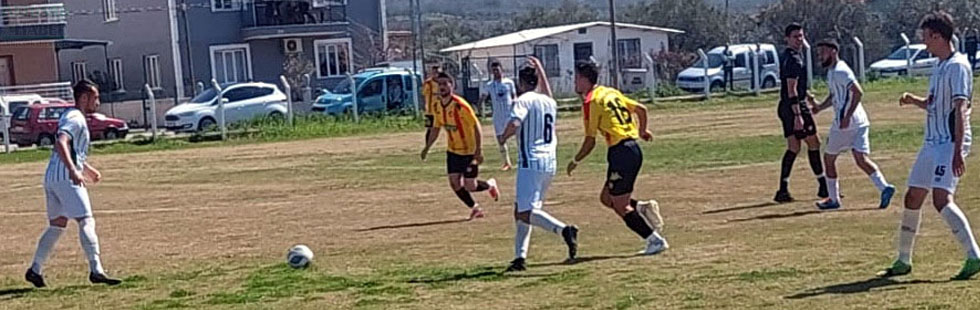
x=45 y=140
x=206 y=124
x=717 y=87
x=769 y=83
x=277 y=116
x=111 y=134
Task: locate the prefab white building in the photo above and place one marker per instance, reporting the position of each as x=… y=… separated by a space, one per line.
x=560 y=47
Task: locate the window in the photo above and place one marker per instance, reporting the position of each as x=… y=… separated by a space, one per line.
x=21 y=113
x=583 y=31
x=238 y=94
x=51 y=113
x=770 y=57
x=116 y=73
x=741 y=61
x=78 y=71
x=332 y=57
x=923 y=55
x=151 y=67
x=630 y=55
x=548 y=54
x=109 y=10
x=231 y=63
x=373 y=88
x=225 y=5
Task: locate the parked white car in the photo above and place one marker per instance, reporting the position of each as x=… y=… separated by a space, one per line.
x=692 y=79
x=896 y=64
x=10 y=103
x=244 y=101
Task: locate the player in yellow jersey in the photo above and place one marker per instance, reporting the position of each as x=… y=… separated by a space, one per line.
x=621 y=121
x=465 y=144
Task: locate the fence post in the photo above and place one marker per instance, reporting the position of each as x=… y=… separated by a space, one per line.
x=200 y=87
x=809 y=64
x=651 y=75
x=221 y=109
x=415 y=90
x=908 y=55
x=862 y=72
x=289 y=98
x=707 y=80
x=956 y=43
x=307 y=89
x=5 y=118
x=353 y=87
x=153 y=110
x=756 y=73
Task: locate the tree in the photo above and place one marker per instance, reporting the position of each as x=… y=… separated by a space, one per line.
x=294 y=68
x=700 y=22
x=568 y=12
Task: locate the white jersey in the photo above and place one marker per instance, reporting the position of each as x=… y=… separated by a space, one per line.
x=73 y=124
x=840 y=79
x=951 y=80
x=537 y=140
x=502 y=95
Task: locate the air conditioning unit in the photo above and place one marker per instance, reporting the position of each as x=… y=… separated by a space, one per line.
x=292 y=46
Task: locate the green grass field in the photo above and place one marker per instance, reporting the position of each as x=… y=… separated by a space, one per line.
x=207 y=225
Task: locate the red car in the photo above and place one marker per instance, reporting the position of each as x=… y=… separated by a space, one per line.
x=38 y=123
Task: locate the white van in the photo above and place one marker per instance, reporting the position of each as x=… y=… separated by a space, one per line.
x=692 y=79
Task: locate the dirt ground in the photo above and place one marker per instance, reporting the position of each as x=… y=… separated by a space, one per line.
x=371 y=210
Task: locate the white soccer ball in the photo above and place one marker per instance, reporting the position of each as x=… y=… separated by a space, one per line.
x=299 y=256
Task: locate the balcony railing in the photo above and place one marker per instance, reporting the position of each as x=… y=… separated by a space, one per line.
x=292 y=12
x=33 y=15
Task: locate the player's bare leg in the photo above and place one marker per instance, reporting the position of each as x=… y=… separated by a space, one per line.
x=942 y=200
x=505 y=155
x=877 y=178
x=833 y=187
x=456 y=184
x=907 y=230
x=621 y=204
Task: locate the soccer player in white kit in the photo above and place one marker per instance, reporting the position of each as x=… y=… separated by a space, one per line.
x=940 y=164
x=65 y=188
x=502 y=93
x=534 y=114
x=849 y=132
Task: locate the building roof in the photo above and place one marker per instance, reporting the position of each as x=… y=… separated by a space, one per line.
x=538 y=33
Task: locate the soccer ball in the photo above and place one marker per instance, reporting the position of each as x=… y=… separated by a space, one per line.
x=299 y=256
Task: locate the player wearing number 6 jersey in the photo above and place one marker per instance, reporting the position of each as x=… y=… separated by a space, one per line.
x=533 y=115
x=608 y=111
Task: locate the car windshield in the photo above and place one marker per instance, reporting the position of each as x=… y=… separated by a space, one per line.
x=205 y=97
x=900 y=54
x=344 y=86
x=714 y=61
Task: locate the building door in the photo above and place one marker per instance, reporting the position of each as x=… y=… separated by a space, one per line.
x=6 y=70
x=582 y=51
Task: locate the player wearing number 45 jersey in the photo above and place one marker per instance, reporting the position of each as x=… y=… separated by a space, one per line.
x=608 y=111
x=947 y=142
x=533 y=115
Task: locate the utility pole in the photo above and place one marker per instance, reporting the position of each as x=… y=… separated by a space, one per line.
x=615 y=43
x=415 y=31
x=421 y=33
x=187 y=46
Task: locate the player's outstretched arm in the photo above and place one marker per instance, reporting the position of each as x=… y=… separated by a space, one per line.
x=543 y=86
x=910 y=99
x=92 y=174
x=641 y=116
x=478 y=136
x=588 y=144
x=430 y=138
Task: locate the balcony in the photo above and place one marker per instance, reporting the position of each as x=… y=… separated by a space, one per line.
x=281 y=19
x=33 y=22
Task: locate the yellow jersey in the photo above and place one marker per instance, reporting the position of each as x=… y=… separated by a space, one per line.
x=458 y=119
x=607 y=110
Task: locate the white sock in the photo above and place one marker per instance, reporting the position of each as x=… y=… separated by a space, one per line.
x=544 y=220
x=505 y=153
x=48 y=239
x=961 y=229
x=90 y=243
x=833 y=188
x=879 y=180
x=656 y=236
x=906 y=234
x=522 y=239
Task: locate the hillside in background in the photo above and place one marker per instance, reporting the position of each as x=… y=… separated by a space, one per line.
x=498 y=9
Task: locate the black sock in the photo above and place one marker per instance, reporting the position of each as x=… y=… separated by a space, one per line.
x=635 y=222
x=816 y=164
x=634 y=203
x=481 y=186
x=788 y=158
x=465 y=196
